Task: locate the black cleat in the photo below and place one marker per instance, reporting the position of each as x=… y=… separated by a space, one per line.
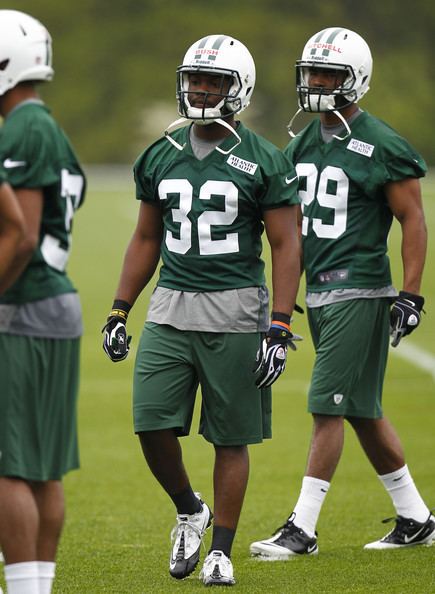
x=287 y=542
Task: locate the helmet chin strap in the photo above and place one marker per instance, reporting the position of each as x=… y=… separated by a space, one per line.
x=233 y=131
x=175 y=124
x=329 y=107
x=220 y=121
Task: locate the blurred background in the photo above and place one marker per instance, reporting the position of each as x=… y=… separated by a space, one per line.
x=114 y=86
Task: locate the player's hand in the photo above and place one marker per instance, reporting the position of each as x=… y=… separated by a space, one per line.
x=116 y=342
x=405 y=315
x=272 y=354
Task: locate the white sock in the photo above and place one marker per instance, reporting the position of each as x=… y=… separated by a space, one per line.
x=22 y=578
x=309 y=504
x=46 y=570
x=403 y=492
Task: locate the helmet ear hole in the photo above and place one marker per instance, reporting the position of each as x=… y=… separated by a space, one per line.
x=4 y=64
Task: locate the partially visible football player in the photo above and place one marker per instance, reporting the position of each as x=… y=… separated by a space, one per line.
x=40 y=322
x=356 y=174
x=11 y=225
x=206 y=192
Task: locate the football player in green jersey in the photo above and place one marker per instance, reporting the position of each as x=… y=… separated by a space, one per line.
x=11 y=224
x=40 y=321
x=206 y=193
x=355 y=175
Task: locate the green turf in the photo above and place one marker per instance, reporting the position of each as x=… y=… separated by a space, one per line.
x=116 y=537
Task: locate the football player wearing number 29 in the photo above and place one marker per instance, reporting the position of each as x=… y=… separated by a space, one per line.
x=355 y=175
x=40 y=321
x=206 y=192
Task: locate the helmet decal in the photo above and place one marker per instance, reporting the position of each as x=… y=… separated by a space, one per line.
x=210 y=54
x=327 y=45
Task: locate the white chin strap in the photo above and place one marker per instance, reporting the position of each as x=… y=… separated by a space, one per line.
x=218 y=121
x=323 y=103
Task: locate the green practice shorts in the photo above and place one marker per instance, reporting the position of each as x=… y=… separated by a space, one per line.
x=351 y=342
x=170 y=364
x=38 y=396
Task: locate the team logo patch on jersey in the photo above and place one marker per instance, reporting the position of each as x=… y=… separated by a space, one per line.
x=242 y=164
x=338 y=398
x=363 y=148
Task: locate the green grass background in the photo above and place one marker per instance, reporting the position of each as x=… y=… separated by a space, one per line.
x=116 y=538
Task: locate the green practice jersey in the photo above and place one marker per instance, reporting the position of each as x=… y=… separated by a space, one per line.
x=346 y=217
x=37 y=155
x=212 y=208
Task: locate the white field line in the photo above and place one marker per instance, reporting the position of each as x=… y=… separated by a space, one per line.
x=416 y=355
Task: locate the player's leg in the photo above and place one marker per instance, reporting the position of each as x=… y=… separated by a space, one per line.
x=230 y=479
x=234 y=414
x=338 y=371
x=18 y=533
x=19 y=521
x=50 y=502
x=414 y=522
x=164 y=392
x=38 y=439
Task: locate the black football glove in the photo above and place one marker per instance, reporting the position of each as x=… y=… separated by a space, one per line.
x=405 y=315
x=116 y=343
x=272 y=354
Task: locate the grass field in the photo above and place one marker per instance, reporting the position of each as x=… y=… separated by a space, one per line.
x=116 y=537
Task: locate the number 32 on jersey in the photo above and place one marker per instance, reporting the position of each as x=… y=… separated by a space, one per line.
x=207 y=245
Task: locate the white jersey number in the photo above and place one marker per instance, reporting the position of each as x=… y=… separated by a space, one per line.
x=52 y=251
x=207 y=245
x=336 y=201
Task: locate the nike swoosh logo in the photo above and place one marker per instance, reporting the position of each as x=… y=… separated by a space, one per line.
x=399 y=478
x=409 y=539
x=289 y=181
x=9 y=163
x=409 y=301
x=311 y=548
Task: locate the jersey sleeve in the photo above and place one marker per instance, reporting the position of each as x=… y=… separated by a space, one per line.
x=282 y=184
x=406 y=164
x=38 y=168
x=142 y=179
x=3 y=176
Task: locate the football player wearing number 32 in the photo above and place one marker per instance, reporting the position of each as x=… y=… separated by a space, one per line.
x=40 y=321
x=206 y=192
x=355 y=175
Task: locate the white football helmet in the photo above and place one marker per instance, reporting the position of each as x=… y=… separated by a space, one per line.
x=217 y=55
x=25 y=50
x=335 y=49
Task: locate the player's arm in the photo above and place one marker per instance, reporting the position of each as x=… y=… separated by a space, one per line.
x=404 y=199
x=142 y=255
x=11 y=227
x=30 y=202
x=140 y=263
x=281 y=226
x=282 y=233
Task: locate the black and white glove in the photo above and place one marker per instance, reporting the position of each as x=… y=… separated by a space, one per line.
x=116 y=343
x=405 y=315
x=272 y=354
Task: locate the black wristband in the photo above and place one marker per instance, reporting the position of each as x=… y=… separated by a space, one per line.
x=281 y=317
x=121 y=304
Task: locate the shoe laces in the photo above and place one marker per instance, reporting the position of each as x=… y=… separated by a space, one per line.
x=289 y=527
x=220 y=562
x=402 y=523
x=186 y=527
